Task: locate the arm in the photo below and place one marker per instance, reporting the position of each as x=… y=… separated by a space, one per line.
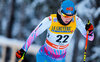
x=81 y=28
x=36 y=32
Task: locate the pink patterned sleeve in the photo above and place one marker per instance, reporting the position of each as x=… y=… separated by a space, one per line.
x=81 y=28
x=45 y=24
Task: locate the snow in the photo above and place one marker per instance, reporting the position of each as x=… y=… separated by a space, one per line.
x=45 y=8
x=29 y=9
x=98 y=30
x=81 y=8
x=16 y=30
x=84 y=10
x=97 y=12
x=37 y=2
x=4 y=25
x=19 y=1
x=1 y=6
x=81 y=44
x=14 y=43
x=96 y=54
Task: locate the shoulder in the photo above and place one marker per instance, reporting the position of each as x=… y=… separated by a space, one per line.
x=79 y=21
x=47 y=19
x=77 y=18
x=51 y=16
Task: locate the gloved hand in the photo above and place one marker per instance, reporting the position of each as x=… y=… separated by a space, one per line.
x=20 y=53
x=89 y=27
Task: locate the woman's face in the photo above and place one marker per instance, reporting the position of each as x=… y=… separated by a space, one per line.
x=66 y=19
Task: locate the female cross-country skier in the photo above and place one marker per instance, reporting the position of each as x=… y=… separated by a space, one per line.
x=60 y=29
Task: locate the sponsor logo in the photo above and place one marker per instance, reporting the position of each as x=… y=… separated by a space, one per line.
x=69 y=8
x=55 y=19
x=61 y=29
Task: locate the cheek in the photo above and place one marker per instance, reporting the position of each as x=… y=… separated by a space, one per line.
x=68 y=19
x=65 y=19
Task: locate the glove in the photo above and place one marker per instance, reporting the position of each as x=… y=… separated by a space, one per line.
x=20 y=53
x=89 y=27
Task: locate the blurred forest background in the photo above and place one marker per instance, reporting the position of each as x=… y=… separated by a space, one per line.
x=18 y=18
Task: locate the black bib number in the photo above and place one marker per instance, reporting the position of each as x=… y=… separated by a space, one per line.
x=60 y=37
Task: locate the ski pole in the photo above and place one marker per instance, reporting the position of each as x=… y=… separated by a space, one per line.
x=86 y=46
x=86 y=43
x=21 y=58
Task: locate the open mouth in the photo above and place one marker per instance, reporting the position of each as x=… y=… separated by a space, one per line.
x=66 y=21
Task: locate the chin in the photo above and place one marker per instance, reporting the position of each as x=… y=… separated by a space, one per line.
x=66 y=22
